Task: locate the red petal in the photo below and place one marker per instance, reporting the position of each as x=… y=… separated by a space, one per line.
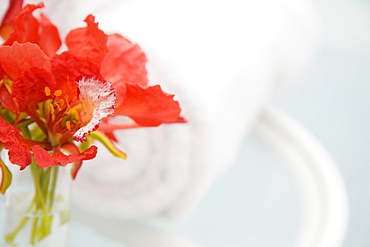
x=149 y=106
x=29 y=89
x=67 y=68
x=49 y=36
x=19 y=58
x=88 y=42
x=75 y=168
x=25 y=27
x=18 y=146
x=44 y=159
x=125 y=62
x=73 y=149
x=6 y=100
x=15 y=6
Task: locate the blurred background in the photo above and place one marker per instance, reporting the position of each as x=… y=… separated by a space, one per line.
x=332 y=100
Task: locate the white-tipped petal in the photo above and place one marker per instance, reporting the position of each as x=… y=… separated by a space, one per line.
x=98 y=100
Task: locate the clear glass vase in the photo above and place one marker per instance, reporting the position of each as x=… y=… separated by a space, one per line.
x=36 y=210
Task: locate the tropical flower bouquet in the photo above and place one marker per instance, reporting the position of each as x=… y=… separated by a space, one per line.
x=54 y=105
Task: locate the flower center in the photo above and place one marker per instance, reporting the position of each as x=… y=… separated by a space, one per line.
x=60 y=117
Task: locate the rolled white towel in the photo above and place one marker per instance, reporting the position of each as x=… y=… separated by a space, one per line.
x=224 y=60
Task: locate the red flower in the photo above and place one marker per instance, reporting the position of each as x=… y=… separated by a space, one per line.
x=123 y=64
x=15 y=6
x=47 y=99
x=26 y=28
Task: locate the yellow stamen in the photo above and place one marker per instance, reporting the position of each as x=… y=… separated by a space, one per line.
x=47 y=91
x=58 y=92
x=57 y=105
x=51 y=109
x=68 y=125
x=67 y=102
x=61 y=101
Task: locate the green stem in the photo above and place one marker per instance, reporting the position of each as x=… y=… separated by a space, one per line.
x=41 y=205
x=45 y=180
x=11 y=236
x=34 y=229
x=55 y=177
x=39 y=196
